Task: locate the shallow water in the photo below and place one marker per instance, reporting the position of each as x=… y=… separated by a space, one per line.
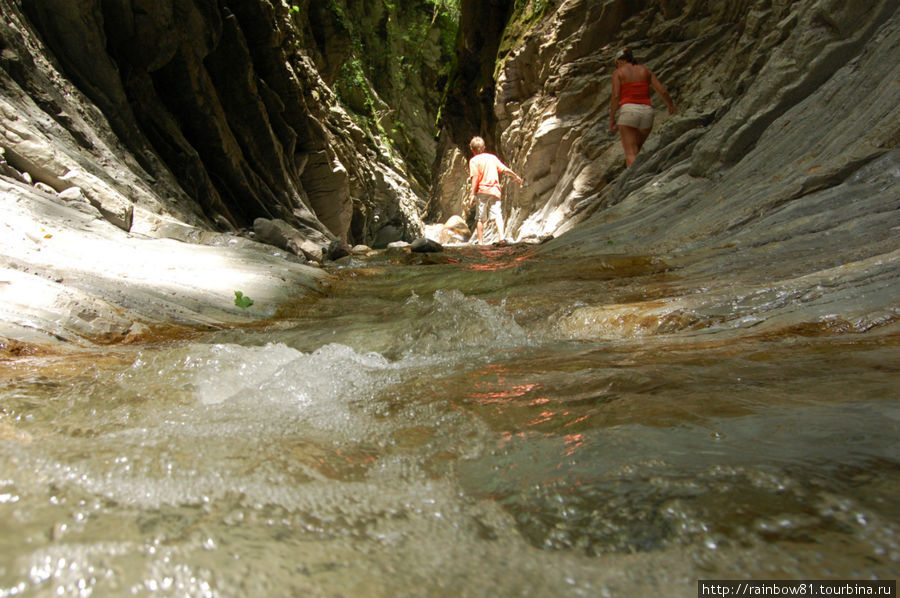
x=478 y=422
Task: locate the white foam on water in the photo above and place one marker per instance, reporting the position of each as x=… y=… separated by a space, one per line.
x=272 y=373
x=453 y=322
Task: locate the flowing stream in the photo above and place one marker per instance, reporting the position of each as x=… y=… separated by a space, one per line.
x=481 y=422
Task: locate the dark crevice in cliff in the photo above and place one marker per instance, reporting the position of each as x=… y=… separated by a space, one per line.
x=468 y=107
x=85 y=60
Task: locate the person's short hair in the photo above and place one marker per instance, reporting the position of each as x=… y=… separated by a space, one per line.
x=477 y=145
x=626 y=55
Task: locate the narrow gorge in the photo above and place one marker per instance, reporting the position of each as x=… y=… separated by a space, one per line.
x=248 y=345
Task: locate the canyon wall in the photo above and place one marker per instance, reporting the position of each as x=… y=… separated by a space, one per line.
x=735 y=69
x=220 y=113
x=155 y=157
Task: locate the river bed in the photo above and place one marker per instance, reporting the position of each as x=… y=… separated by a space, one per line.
x=484 y=421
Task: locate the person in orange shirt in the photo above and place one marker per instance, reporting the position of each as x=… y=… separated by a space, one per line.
x=484 y=175
x=631 y=85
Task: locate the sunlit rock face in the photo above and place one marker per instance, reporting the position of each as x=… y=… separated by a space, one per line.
x=777 y=100
x=774 y=191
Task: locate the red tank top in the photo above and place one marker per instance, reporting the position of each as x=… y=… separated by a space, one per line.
x=636 y=92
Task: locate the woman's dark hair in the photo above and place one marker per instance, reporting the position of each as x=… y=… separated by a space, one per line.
x=626 y=55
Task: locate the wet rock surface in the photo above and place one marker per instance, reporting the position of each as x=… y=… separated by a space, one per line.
x=66 y=274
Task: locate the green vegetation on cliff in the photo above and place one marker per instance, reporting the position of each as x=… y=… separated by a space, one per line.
x=388 y=63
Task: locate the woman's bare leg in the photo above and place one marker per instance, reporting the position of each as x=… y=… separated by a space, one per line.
x=642 y=137
x=630 y=142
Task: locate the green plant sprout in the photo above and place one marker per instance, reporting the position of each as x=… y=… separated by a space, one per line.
x=242 y=301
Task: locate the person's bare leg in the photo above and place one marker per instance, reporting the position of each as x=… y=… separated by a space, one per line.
x=629 y=136
x=480 y=227
x=642 y=137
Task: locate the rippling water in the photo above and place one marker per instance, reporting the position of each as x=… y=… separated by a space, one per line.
x=479 y=422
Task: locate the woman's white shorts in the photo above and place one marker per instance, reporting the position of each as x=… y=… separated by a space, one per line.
x=639 y=116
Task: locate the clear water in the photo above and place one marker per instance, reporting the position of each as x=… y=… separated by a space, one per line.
x=479 y=422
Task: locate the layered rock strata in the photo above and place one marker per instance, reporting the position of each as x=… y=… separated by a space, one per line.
x=735 y=69
x=221 y=101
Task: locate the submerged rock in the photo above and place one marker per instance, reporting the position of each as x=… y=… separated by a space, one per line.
x=423 y=245
x=338 y=249
x=309 y=244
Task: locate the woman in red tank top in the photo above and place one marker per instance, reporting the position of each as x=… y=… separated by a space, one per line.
x=631 y=85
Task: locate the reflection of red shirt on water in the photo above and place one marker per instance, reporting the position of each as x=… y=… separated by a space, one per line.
x=635 y=92
x=484 y=170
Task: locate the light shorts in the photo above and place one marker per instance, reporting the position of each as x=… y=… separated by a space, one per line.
x=488 y=206
x=639 y=116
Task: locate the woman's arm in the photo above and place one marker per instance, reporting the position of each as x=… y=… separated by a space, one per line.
x=663 y=92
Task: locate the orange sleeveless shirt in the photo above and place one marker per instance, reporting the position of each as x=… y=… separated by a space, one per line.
x=635 y=92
